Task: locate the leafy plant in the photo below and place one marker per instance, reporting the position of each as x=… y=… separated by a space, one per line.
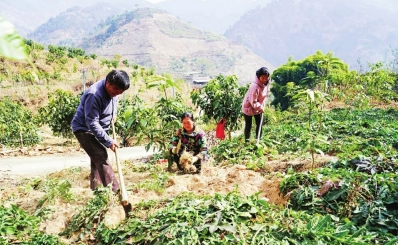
x=57 y=51
x=15 y=222
x=378 y=83
x=75 y=52
x=230 y=219
x=43 y=239
x=17 y=125
x=318 y=70
x=56 y=188
x=349 y=189
x=91 y=214
x=234 y=151
x=157 y=183
x=133 y=120
x=312 y=101
x=58 y=114
x=16 y=226
x=297 y=180
x=220 y=98
x=168 y=110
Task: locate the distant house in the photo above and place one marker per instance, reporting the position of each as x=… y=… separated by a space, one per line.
x=189 y=76
x=196 y=79
x=200 y=81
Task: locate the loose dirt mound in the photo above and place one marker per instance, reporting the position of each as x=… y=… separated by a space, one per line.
x=223 y=180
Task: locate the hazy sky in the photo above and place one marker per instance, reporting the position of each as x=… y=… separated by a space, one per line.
x=156 y=1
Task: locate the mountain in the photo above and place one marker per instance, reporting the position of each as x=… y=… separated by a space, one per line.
x=155 y=38
x=76 y=22
x=353 y=30
x=69 y=27
x=212 y=15
x=28 y=15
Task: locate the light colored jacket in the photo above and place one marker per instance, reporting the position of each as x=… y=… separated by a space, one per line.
x=253 y=103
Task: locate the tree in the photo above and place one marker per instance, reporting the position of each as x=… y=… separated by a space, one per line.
x=59 y=112
x=220 y=98
x=318 y=72
x=133 y=120
x=379 y=82
x=17 y=125
x=168 y=111
x=312 y=102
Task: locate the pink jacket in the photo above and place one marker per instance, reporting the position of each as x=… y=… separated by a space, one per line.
x=254 y=98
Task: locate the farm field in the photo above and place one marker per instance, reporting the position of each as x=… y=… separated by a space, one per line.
x=239 y=197
x=323 y=172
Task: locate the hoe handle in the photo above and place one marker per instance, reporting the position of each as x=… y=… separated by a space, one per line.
x=119 y=171
x=259 y=129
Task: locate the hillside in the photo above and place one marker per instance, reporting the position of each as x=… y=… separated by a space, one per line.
x=155 y=38
x=69 y=27
x=351 y=29
x=355 y=31
x=28 y=15
x=208 y=15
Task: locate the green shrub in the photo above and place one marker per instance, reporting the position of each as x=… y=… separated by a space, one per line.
x=17 y=125
x=17 y=227
x=59 y=112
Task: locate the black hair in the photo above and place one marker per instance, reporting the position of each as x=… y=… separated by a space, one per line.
x=262 y=71
x=187 y=114
x=119 y=79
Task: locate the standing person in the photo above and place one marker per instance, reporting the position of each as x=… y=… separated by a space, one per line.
x=253 y=103
x=91 y=123
x=192 y=139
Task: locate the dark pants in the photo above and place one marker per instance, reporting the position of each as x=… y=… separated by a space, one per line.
x=248 y=125
x=101 y=171
x=176 y=159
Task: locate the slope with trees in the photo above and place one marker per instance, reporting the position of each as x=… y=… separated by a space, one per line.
x=353 y=30
x=154 y=38
x=69 y=27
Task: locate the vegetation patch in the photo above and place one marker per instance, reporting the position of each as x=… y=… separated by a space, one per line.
x=182 y=30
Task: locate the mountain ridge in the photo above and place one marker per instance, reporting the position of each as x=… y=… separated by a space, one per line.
x=158 y=39
x=353 y=30
x=70 y=26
